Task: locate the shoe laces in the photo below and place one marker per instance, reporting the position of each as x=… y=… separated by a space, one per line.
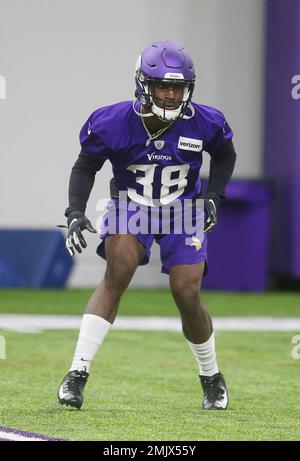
x=74 y=379
x=214 y=389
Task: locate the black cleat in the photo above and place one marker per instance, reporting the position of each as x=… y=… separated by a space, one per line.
x=70 y=391
x=215 y=392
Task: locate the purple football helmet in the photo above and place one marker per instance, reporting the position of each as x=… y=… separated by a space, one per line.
x=166 y=62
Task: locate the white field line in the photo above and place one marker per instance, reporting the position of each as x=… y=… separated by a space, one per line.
x=19 y=438
x=37 y=323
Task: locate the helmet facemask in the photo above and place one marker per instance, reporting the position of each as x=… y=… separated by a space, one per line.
x=145 y=93
x=162 y=108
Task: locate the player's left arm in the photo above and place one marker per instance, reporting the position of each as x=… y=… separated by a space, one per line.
x=223 y=158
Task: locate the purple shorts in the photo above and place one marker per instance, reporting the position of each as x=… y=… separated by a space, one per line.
x=179 y=243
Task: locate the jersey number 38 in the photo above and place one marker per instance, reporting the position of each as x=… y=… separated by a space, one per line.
x=180 y=180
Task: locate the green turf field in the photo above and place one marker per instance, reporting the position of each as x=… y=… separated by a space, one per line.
x=150 y=302
x=144 y=385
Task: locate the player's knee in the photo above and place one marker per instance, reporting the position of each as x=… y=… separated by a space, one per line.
x=119 y=273
x=186 y=292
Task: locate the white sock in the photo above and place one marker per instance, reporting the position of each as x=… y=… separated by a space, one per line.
x=92 y=333
x=205 y=354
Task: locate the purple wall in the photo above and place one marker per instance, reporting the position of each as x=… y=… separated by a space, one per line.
x=282 y=133
x=238 y=249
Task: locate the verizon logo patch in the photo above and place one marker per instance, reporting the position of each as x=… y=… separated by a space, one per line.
x=190 y=144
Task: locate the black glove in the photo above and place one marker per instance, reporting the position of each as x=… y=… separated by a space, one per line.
x=77 y=222
x=114 y=191
x=211 y=203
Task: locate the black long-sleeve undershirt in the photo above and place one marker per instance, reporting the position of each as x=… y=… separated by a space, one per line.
x=81 y=181
x=221 y=169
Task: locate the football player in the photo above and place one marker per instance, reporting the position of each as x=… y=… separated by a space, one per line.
x=155 y=145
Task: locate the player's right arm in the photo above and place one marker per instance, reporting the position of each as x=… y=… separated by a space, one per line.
x=80 y=185
x=90 y=161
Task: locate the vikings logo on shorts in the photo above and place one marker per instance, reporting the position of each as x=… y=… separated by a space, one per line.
x=196 y=242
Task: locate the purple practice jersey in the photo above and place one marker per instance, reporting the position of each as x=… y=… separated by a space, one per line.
x=166 y=169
